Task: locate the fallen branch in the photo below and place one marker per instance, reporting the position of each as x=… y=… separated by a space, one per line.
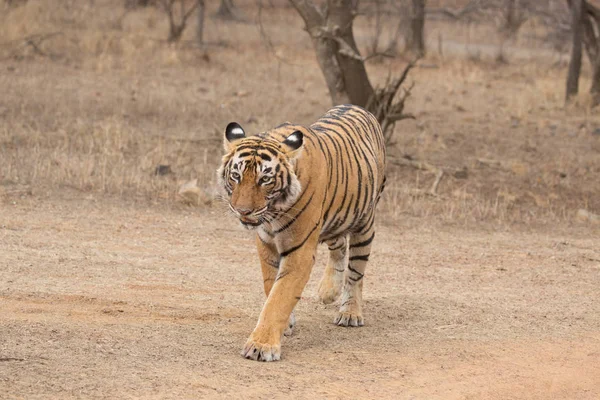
x=489 y=162
x=421 y=165
x=386 y=54
x=33 y=41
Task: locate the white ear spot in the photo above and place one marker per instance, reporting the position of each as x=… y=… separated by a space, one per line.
x=294 y=141
x=234 y=132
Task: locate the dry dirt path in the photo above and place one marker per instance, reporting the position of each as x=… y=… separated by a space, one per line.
x=105 y=300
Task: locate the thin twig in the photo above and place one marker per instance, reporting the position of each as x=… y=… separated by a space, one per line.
x=266 y=39
x=421 y=165
x=34 y=41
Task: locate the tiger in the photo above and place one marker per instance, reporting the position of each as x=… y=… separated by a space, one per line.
x=298 y=186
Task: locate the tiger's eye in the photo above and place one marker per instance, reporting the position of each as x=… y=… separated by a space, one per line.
x=264 y=180
x=235 y=176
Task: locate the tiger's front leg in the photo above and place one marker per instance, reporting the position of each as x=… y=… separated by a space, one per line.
x=269 y=263
x=264 y=344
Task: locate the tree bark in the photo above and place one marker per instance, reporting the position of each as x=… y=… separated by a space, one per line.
x=177 y=25
x=507 y=29
x=200 y=22
x=576 y=49
x=417 y=28
x=330 y=29
x=225 y=10
x=591 y=40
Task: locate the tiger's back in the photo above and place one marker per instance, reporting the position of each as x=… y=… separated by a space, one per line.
x=352 y=143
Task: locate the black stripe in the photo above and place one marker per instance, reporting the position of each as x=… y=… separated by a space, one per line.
x=338 y=143
x=366 y=141
x=341 y=221
x=355 y=271
x=350 y=147
x=342 y=172
x=360 y=204
x=330 y=168
x=247 y=147
x=269 y=149
x=293 y=249
x=337 y=247
x=281 y=274
x=363 y=243
x=283 y=228
x=360 y=258
x=365 y=228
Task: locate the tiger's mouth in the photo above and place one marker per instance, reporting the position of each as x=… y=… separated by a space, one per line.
x=250 y=222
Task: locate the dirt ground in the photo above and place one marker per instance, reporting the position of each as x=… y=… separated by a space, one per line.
x=111 y=287
x=110 y=300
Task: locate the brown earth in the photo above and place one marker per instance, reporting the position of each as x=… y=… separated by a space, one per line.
x=109 y=300
x=111 y=288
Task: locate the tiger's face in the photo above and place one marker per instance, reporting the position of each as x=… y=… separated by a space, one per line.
x=258 y=174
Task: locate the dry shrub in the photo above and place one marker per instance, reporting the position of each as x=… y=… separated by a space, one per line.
x=110 y=100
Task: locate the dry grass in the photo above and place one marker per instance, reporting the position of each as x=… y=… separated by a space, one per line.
x=102 y=103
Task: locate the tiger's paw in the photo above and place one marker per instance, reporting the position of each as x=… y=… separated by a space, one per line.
x=329 y=290
x=256 y=351
x=290 y=327
x=349 y=319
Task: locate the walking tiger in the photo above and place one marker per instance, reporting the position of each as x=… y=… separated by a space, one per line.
x=298 y=186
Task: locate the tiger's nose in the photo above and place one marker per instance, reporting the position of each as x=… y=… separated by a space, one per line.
x=244 y=211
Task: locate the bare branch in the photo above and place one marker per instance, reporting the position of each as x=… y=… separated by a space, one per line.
x=33 y=41
x=309 y=12
x=266 y=39
x=471 y=6
x=421 y=165
x=176 y=28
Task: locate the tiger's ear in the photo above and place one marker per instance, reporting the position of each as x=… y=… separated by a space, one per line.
x=294 y=143
x=233 y=133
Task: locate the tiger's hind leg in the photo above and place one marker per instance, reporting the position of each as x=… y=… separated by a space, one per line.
x=350 y=313
x=333 y=276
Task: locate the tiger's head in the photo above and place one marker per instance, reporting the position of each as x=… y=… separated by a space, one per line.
x=257 y=173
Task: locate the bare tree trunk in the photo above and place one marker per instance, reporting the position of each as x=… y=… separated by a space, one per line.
x=177 y=25
x=200 y=23
x=378 y=28
x=330 y=28
x=576 y=49
x=337 y=54
x=225 y=10
x=352 y=65
x=591 y=39
x=513 y=17
x=507 y=29
x=401 y=28
x=595 y=89
x=417 y=28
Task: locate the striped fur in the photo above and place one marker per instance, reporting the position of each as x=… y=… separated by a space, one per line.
x=298 y=186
